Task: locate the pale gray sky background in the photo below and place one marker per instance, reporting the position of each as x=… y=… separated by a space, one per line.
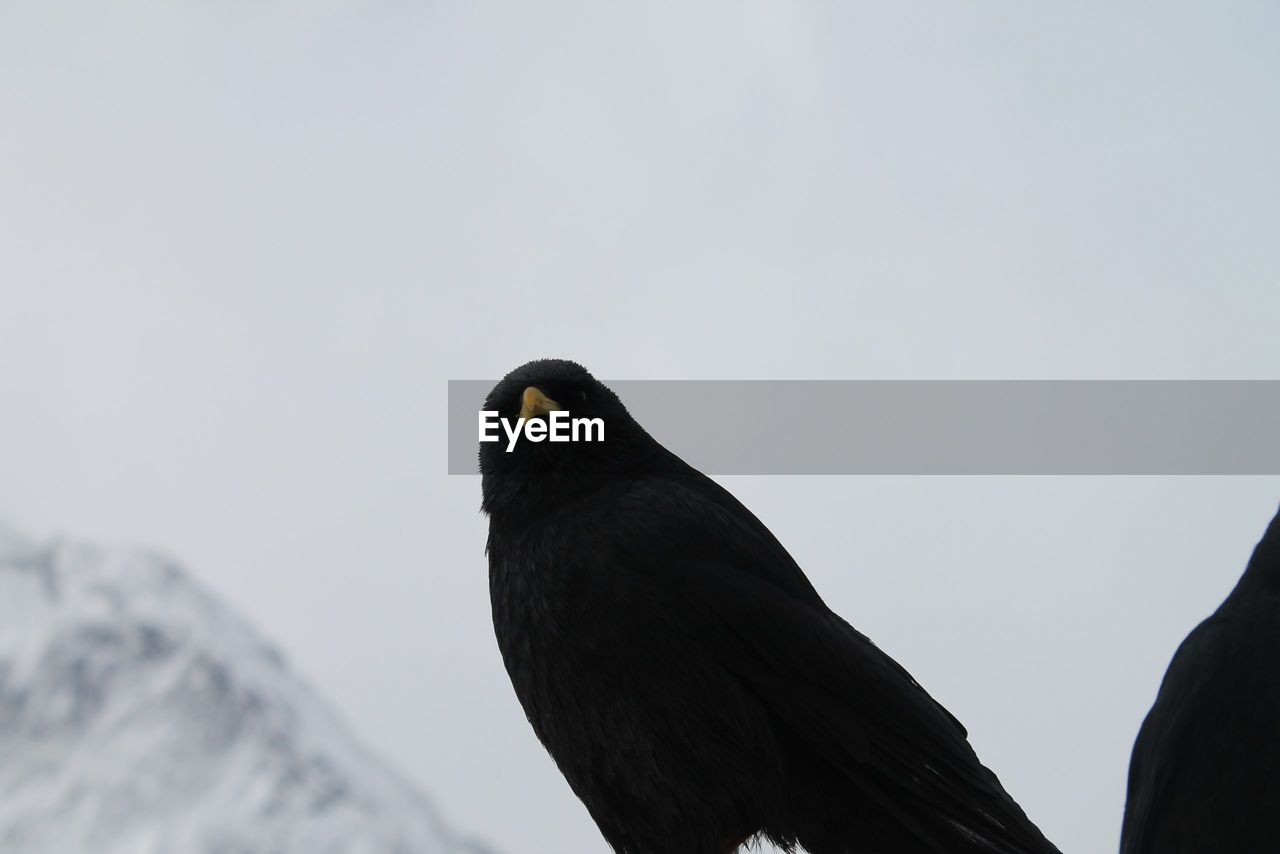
x=244 y=244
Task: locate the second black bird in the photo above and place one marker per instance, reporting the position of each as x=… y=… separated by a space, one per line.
x=1205 y=773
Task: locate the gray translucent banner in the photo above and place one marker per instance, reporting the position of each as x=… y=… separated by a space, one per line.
x=939 y=427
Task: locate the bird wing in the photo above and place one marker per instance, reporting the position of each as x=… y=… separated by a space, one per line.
x=725 y=575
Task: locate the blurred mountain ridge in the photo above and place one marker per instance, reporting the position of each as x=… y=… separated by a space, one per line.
x=141 y=715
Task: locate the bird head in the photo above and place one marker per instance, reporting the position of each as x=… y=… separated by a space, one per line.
x=604 y=440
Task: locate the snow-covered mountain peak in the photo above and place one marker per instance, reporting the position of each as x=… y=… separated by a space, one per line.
x=139 y=714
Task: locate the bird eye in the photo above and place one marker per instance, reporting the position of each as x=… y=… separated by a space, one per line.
x=582 y=395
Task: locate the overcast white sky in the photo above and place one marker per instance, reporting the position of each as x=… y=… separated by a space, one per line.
x=243 y=246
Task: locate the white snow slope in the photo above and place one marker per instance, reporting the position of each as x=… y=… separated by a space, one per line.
x=138 y=715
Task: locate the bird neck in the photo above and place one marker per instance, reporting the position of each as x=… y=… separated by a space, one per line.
x=514 y=498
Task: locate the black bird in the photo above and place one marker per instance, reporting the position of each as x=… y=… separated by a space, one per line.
x=1205 y=772
x=684 y=674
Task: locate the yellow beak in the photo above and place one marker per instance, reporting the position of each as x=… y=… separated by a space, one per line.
x=535 y=403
